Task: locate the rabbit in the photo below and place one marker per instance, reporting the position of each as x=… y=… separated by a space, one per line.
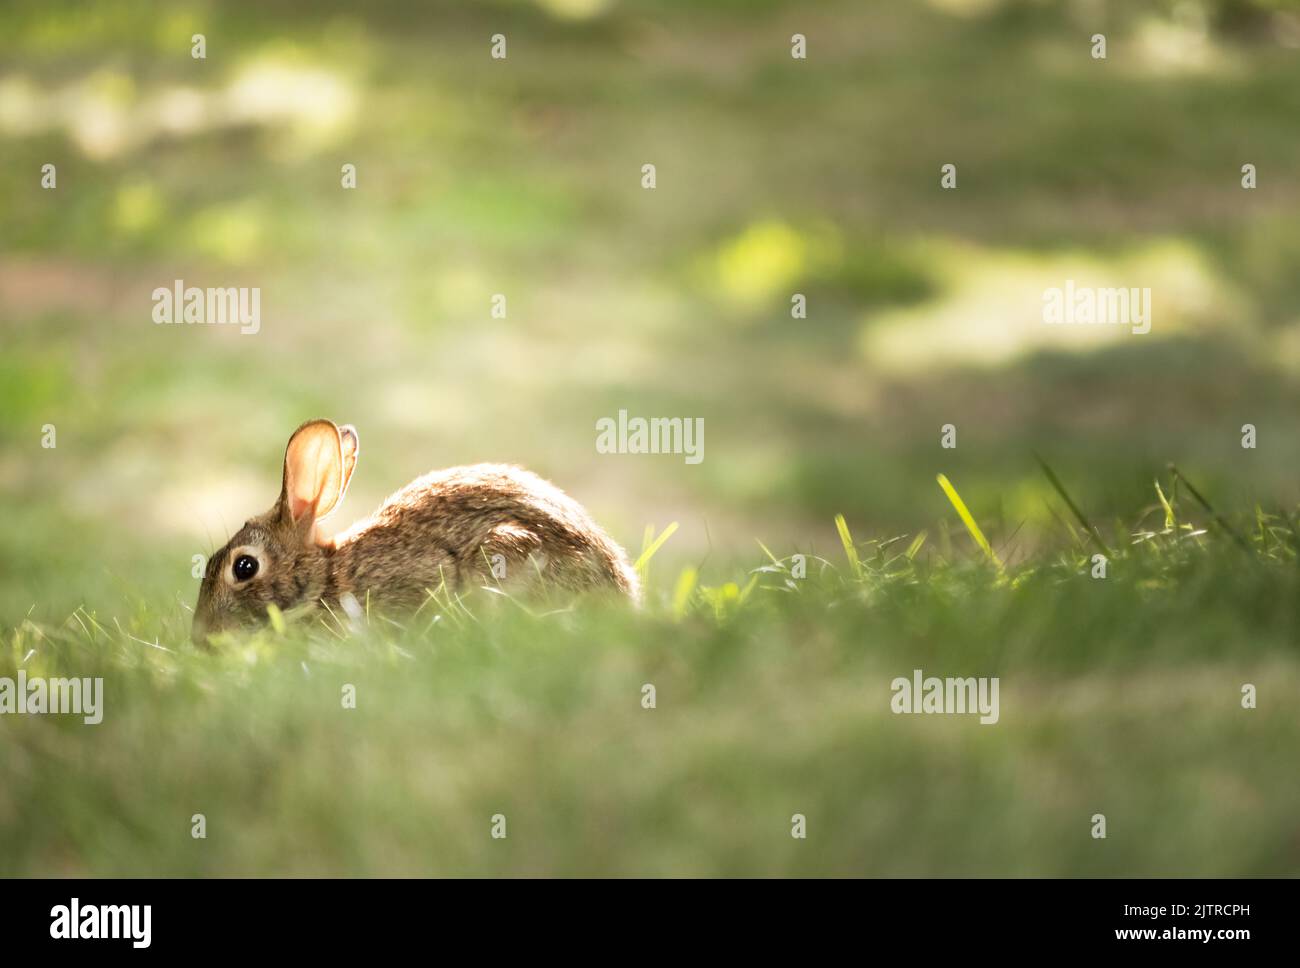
x=460 y=527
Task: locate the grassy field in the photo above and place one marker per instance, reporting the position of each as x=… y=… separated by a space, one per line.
x=1120 y=696
x=522 y=177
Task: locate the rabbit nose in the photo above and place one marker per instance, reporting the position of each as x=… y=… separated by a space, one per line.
x=199 y=631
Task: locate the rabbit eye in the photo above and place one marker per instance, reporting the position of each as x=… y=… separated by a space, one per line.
x=245 y=567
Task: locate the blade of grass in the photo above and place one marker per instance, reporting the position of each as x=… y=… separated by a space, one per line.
x=1218 y=518
x=682 y=592
x=1171 y=519
x=850 y=551
x=277 y=618
x=968 y=520
x=915 y=546
x=775 y=560
x=1074 y=508
x=654 y=546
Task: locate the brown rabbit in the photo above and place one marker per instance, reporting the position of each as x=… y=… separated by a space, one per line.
x=463 y=526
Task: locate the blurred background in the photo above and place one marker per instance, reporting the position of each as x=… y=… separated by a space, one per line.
x=523 y=177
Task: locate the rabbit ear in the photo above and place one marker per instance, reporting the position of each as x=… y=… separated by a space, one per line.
x=351 y=450
x=313 y=472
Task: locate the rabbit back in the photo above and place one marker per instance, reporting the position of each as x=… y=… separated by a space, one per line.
x=486 y=524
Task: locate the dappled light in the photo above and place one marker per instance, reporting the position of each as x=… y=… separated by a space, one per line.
x=107 y=114
x=991 y=309
x=575 y=9
x=799 y=275
x=766 y=259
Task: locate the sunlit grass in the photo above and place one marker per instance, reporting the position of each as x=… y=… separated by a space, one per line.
x=771 y=698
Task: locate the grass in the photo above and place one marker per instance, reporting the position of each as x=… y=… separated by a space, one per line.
x=1119 y=696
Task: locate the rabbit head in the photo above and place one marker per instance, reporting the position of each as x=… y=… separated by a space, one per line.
x=275 y=558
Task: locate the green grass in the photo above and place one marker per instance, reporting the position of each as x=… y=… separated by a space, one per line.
x=1118 y=696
